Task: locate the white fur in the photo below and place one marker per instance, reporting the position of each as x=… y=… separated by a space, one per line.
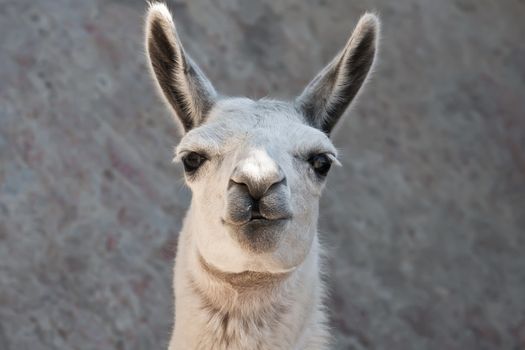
x=226 y=295
x=232 y=138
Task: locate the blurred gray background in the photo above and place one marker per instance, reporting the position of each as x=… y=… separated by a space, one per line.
x=424 y=223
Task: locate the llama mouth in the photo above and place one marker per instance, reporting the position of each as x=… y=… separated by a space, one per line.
x=262 y=221
x=258 y=235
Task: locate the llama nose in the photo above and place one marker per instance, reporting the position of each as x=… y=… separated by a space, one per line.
x=257 y=177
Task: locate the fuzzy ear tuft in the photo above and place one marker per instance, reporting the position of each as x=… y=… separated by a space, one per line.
x=327 y=96
x=182 y=83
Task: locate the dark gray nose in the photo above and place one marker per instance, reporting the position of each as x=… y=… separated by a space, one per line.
x=257 y=207
x=257 y=184
x=257 y=190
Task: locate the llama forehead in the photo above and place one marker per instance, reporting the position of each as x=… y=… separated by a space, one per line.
x=243 y=114
x=241 y=122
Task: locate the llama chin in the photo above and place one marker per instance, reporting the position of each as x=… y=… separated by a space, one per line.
x=247 y=272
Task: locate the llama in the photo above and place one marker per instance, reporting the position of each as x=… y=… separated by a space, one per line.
x=247 y=270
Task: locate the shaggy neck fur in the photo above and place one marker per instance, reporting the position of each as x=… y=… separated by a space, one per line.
x=248 y=310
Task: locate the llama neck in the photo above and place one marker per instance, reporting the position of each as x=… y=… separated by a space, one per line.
x=246 y=310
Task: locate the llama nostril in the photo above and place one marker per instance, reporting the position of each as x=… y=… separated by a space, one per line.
x=282 y=181
x=232 y=183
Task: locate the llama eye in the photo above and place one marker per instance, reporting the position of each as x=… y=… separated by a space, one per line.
x=321 y=164
x=192 y=161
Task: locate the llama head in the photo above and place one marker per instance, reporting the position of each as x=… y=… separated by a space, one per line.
x=256 y=168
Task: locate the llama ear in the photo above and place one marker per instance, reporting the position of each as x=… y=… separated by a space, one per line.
x=182 y=83
x=328 y=95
